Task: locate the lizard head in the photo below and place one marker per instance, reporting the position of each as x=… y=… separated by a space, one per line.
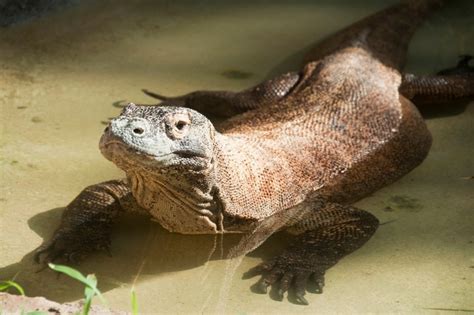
x=158 y=137
x=168 y=156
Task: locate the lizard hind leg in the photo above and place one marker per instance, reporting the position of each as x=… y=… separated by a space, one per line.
x=226 y=104
x=447 y=85
x=324 y=237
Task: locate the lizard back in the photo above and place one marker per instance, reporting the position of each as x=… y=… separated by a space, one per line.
x=342 y=133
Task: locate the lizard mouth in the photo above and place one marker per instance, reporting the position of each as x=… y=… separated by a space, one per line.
x=111 y=145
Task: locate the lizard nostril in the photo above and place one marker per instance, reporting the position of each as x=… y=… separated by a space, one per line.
x=138 y=131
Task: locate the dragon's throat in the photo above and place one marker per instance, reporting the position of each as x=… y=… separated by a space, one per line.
x=177 y=210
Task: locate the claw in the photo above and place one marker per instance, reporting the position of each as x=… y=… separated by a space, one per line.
x=262 y=287
x=319 y=281
x=464 y=61
x=290 y=277
x=54 y=256
x=318 y=290
x=284 y=284
x=301 y=299
x=44 y=267
x=300 y=287
x=40 y=251
x=316 y=284
x=74 y=257
x=49 y=254
x=281 y=294
x=37 y=256
x=462 y=66
x=268 y=280
x=259 y=269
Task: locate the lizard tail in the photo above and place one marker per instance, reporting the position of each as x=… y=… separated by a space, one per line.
x=386 y=33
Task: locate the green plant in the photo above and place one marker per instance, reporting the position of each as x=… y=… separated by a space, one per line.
x=90 y=290
x=90 y=281
x=134 y=303
x=5 y=285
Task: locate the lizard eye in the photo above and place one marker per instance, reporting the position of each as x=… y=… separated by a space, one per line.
x=138 y=131
x=180 y=125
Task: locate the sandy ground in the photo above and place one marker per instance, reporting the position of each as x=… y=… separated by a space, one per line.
x=60 y=75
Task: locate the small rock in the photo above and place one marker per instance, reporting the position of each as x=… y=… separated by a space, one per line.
x=36 y=119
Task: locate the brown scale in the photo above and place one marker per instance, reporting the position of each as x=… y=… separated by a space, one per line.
x=294 y=153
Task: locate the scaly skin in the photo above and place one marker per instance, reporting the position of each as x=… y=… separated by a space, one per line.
x=437 y=88
x=294 y=154
x=227 y=104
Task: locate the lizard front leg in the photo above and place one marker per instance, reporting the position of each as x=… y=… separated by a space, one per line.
x=226 y=103
x=324 y=237
x=86 y=222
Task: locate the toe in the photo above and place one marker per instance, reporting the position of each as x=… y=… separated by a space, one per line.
x=267 y=280
x=300 y=287
x=300 y=299
x=318 y=281
x=284 y=284
x=37 y=256
x=257 y=270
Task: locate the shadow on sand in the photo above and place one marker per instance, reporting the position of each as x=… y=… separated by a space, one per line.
x=139 y=245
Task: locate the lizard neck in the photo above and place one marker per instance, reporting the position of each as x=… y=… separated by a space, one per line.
x=181 y=201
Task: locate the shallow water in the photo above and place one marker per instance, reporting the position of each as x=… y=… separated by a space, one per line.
x=60 y=75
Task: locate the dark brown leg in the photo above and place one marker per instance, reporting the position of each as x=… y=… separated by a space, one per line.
x=448 y=85
x=86 y=222
x=226 y=103
x=325 y=236
x=437 y=88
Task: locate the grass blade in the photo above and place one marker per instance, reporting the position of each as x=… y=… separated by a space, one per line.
x=75 y=274
x=89 y=294
x=134 y=303
x=5 y=285
x=71 y=272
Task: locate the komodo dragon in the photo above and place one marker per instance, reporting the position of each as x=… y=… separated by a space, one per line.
x=317 y=140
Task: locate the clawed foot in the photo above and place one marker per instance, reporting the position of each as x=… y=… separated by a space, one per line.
x=70 y=247
x=462 y=67
x=286 y=276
